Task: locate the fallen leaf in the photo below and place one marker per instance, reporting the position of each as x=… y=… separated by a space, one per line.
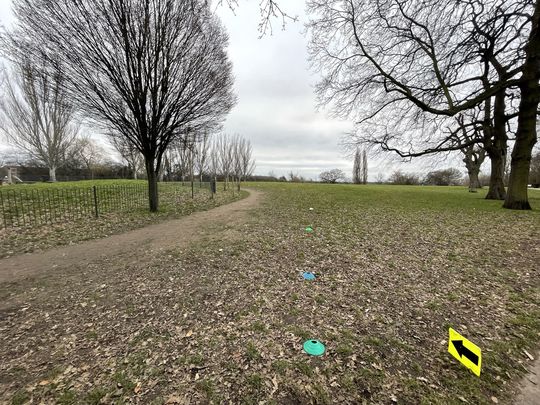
x=528 y=355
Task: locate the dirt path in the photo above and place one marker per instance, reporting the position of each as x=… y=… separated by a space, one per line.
x=530 y=386
x=169 y=234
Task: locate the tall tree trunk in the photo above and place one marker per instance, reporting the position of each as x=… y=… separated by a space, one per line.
x=153 y=196
x=474 y=181
x=473 y=161
x=526 y=136
x=474 y=158
x=496 y=145
x=52 y=174
x=496 y=179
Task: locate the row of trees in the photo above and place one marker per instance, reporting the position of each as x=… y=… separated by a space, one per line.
x=360 y=167
x=37 y=118
x=229 y=158
x=444 y=177
x=149 y=73
x=223 y=157
x=430 y=76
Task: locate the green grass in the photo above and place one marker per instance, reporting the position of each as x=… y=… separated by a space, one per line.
x=397 y=266
x=394 y=197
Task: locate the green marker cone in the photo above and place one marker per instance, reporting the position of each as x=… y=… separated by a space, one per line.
x=309 y=229
x=314 y=348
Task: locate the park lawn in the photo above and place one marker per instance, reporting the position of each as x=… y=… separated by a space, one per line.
x=225 y=320
x=44 y=215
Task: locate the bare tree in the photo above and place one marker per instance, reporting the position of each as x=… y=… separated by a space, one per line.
x=202 y=150
x=244 y=164
x=225 y=149
x=407 y=179
x=534 y=177
x=214 y=161
x=526 y=135
x=295 y=177
x=332 y=176
x=426 y=60
x=364 y=167
x=360 y=167
x=37 y=117
x=445 y=177
x=357 y=167
x=88 y=152
x=270 y=10
x=129 y=153
x=473 y=157
x=146 y=70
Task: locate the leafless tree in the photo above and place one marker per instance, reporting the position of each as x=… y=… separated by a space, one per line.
x=88 y=152
x=37 y=117
x=534 y=177
x=360 y=167
x=202 y=150
x=357 y=167
x=270 y=10
x=214 y=161
x=423 y=60
x=332 y=176
x=295 y=177
x=225 y=151
x=129 y=153
x=444 y=177
x=473 y=157
x=144 y=69
x=243 y=162
x=400 y=178
x=364 y=167
x=182 y=156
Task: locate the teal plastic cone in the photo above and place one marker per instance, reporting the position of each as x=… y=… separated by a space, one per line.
x=314 y=348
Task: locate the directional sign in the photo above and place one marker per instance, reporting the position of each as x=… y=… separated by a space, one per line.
x=465 y=351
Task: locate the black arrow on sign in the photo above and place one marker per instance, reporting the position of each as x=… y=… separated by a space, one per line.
x=463 y=351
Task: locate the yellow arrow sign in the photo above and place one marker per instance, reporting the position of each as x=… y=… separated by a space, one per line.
x=465 y=351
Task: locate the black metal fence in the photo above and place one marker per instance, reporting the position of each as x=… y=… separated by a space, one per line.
x=30 y=206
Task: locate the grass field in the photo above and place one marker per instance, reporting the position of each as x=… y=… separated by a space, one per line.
x=41 y=215
x=224 y=321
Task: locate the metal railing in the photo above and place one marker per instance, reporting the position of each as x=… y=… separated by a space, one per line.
x=28 y=206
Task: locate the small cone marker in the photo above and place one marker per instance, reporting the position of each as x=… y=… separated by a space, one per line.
x=314 y=347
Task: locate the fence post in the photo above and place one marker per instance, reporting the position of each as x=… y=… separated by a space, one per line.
x=213 y=187
x=96 y=201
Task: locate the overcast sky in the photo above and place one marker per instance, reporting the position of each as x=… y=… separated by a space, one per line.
x=276 y=107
